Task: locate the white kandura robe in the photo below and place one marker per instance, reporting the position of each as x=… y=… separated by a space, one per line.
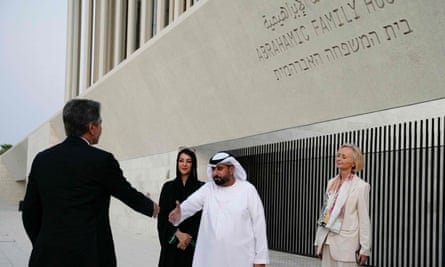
x=232 y=232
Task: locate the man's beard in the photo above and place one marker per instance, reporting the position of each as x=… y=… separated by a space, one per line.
x=220 y=180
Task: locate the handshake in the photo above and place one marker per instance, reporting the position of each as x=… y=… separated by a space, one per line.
x=155 y=206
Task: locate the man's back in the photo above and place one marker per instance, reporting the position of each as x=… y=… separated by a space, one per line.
x=67 y=201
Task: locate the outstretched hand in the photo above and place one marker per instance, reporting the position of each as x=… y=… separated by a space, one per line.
x=156 y=209
x=155 y=206
x=175 y=214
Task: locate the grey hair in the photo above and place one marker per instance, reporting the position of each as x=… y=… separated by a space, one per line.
x=78 y=114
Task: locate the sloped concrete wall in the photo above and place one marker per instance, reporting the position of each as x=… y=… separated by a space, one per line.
x=231 y=69
x=12 y=190
x=15 y=160
x=40 y=139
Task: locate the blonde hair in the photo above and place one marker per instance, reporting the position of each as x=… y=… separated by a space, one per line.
x=357 y=157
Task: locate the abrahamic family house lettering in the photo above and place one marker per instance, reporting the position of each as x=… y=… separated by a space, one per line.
x=346 y=48
x=282 y=43
x=335 y=18
x=289 y=10
x=374 y=5
x=300 y=23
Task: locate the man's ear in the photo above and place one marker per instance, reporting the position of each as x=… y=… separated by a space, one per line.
x=232 y=169
x=91 y=127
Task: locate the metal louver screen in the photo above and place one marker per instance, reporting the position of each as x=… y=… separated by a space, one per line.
x=404 y=164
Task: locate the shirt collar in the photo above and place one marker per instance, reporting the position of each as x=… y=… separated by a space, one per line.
x=85 y=140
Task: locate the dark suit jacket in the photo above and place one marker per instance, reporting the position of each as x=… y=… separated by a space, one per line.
x=66 y=206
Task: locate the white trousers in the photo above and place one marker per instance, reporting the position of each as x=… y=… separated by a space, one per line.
x=328 y=261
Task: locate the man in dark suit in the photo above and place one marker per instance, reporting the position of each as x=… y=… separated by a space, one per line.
x=66 y=206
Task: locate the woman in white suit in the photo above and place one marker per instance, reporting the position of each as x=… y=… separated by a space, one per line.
x=344 y=226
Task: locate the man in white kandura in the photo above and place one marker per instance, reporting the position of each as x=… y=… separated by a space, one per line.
x=233 y=228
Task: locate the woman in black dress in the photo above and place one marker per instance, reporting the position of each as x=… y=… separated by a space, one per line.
x=178 y=243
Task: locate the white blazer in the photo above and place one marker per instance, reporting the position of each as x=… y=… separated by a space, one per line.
x=356 y=227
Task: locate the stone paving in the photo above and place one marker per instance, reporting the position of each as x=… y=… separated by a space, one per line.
x=132 y=249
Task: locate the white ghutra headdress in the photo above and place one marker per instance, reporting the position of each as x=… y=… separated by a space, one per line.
x=227 y=159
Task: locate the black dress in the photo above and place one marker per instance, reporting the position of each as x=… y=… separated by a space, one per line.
x=171 y=191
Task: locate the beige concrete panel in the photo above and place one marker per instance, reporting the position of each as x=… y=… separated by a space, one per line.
x=219 y=73
x=13 y=173
x=87 y=37
x=12 y=190
x=57 y=127
x=15 y=160
x=427 y=110
x=73 y=49
x=42 y=138
x=148 y=174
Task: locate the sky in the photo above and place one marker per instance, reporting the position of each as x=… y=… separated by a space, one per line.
x=32 y=65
